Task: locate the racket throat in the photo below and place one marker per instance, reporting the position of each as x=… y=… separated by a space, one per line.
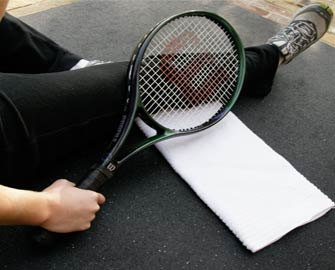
x=145 y=144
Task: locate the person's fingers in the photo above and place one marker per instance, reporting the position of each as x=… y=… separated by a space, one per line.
x=85 y=227
x=101 y=198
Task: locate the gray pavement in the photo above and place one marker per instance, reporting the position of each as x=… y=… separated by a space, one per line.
x=152 y=219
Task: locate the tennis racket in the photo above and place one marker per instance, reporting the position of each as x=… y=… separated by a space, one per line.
x=184 y=77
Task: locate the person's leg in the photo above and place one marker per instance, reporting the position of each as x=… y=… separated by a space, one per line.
x=261 y=66
x=25 y=50
x=44 y=117
x=47 y=115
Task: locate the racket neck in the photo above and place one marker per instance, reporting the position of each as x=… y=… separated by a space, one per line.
x=147 y=143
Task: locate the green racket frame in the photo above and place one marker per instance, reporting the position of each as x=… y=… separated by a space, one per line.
x=135 y=65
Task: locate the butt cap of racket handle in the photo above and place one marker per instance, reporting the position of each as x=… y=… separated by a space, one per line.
x=45 y=238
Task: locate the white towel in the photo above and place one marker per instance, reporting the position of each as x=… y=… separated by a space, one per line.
x=258 y=194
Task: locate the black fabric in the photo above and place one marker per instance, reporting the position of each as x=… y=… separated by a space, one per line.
x=46 y=116
x=261 y=66
x=25 y=50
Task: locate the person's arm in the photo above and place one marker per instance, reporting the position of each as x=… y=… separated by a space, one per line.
x=59 y=208
x=3 y=6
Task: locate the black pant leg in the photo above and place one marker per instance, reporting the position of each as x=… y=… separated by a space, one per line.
x=25 y=50
x=261 y=66
x=44 y=117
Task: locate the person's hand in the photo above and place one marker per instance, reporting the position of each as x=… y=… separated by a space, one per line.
x=70 y=208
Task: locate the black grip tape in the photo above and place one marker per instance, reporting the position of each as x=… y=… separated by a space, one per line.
x=96 y=178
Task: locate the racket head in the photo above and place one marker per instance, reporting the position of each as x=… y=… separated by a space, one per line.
x=181 y=68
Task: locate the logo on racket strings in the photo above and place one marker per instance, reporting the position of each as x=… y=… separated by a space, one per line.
x=183 y=74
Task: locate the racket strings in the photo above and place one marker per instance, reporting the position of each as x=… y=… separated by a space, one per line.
x=178 y=96
x=169 y=107
x=148 y=78
x=189 y=73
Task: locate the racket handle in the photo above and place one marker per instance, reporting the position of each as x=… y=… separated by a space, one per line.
x=96 y=178
x=93 y=181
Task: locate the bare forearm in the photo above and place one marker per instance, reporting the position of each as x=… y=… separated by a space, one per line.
x=3 y=6
x=61 y=207
x=22 y=207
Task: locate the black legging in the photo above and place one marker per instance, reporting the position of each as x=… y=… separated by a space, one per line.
x=47 y=111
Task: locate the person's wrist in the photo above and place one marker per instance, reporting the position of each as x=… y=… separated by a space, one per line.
x=46 y=203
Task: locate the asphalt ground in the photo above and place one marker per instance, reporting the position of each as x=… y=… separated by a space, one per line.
x=152 y=219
